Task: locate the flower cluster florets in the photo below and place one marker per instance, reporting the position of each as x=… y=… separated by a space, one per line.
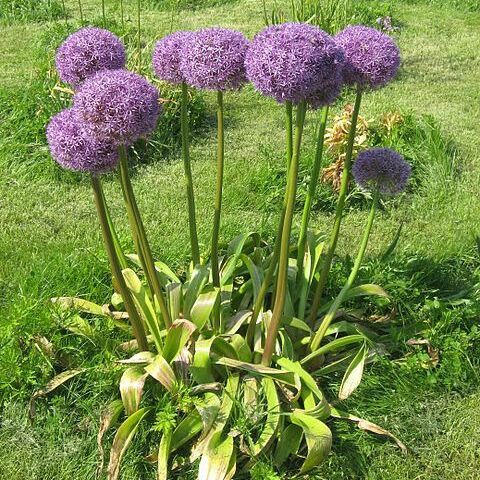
x=214 y=59
x=381 y=169
x=372 y=58
x=88 y=51
x=294 y=62
x=73 y=149
x=118 y=106
x=167 y=56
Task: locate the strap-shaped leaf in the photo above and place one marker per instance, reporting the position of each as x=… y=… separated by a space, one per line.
x=178 y=335
x=208 y=409
x=194 y=287
x=353 y=375
x=332 y=346
x=203 y=307
x=161 y=371
x=131 y=388
x=241 y=348
x=165 y=274
x=174 y=293
x=140 y=358
x=190 y=426
x=272 y=421
x=237 y=320
x=109 y=416
x=218 y=459
x=80 y=304
x=163 y=454
x=122 y=440
x=144 y=305
x=368 y=426
x=288 y=444
x=201 y=368
x=53 y=384
x=318 y=437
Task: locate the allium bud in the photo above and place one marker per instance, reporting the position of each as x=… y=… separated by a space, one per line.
x=294 y=62
x=214 y=59
x=372 y=58
x=73 y=149
x=381 y=169
x=89 y=51
x=118 y=106
x=167 y=56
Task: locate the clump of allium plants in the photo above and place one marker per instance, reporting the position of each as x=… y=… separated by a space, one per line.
x=236 y=354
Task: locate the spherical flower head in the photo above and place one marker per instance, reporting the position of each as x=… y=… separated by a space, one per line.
x=167 y=55
x=381 y=169
x=74 y=150
x=89 y=51
x=214 y=59
x=118 y=106
x=294 y=61
x=325 y=96
x=372 y=58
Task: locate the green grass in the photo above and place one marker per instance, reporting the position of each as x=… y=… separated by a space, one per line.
x=50 y=244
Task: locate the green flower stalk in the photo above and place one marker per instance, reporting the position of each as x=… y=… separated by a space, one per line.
x=103 y=14
x=135 y=320
x=81 y=11
x=139 y=35
x=312 y=188
x=281 y=287
x=218 y=189
x=139 y=237
x=327 y=262
x=327 y=320
x=189 y=177
x=122 y=15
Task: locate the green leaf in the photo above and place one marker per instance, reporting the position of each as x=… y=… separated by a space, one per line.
x=178 y=335
x=273 y=418
x=161 y=371
x=203 y=307
x=196 y=284
x=80 y=304
x=144 y=305
x=241 y=348
x=165 y=274
x=368 y=427
x=174 y=294
x=79 y=326
x=333 y=346
x=318 y=437
x=201 y=368
x=190 y=426
x=122 y=440
x=236 y=322
x=163 y=454
x=53 y=384
x=109 y=416
x=288 y=444
x=208 y=409
x=217 y=459
x=353 y=375
x=131 y=388
x=141 y=358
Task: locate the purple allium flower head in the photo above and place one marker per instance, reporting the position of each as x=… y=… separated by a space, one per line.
x=326 y=96
x=372 y=57
x=118 y=105
x=294 y=61
x=167 y=55
x=73 y=149
x=89 y=51
x=383 y=169
x=214 y=59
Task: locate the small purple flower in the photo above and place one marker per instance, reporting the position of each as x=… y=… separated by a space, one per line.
x=74 y=150
x=214 y=59
x=372 y=57
x=167 y=56
x=294 y=61
x=118 y=106
x=89 y=51
x=383 y=169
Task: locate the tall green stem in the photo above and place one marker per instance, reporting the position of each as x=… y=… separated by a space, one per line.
x=289 y=131
x=320 y=334
x=140 y=237
x=218 y=190
x=81 y=11
x=135 y=320
x=118 y=249
x=103 y=14
x=312 y=188
x=139 y=35
x=122 y=15
x=281 y=288
x=338 y=212
x=188 y=177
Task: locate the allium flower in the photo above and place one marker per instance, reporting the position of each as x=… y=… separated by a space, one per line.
x=382 y=169
x=214 y=59
x=294 y=61
x=89 y=51
x=118 y=105
x=372 y=57
x=326 y=96
x=73 y=149
x=167 y=55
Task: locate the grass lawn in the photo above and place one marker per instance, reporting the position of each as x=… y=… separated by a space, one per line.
x=50 y=246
